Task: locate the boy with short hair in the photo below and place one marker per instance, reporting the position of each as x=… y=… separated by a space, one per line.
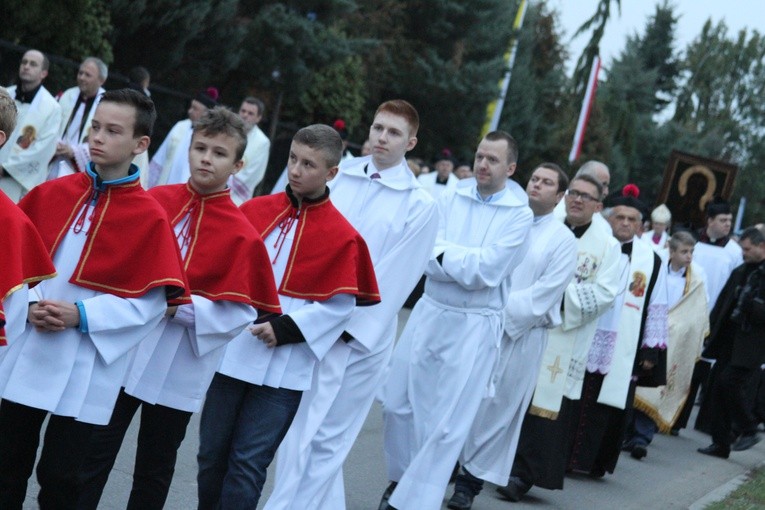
x=227 y=268
x=100 y=228
x=23 y=258
x=322 y=269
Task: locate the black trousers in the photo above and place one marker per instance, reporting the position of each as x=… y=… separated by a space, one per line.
x=729 y=403
x=160 y=435
x=700 y=375
x=64 y=447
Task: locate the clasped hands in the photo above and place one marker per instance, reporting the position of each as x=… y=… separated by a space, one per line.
x=51 y=315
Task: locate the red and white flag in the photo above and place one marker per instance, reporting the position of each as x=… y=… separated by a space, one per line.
x=584 y=114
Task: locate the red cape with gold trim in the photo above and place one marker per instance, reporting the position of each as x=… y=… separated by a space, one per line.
x=23 y=257
x=226 y=258
x=130 y=247
x=328 y=256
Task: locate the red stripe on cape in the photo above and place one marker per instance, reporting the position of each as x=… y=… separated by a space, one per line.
x=328 y=256
x=226 y=258
x=23 y=257
x=130 y=248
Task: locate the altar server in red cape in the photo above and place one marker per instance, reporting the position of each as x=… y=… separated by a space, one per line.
x=231 y=284
x=100 y=229
x=322 y=269
x=23 y=257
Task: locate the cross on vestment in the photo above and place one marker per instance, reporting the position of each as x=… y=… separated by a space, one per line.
x=554 y=369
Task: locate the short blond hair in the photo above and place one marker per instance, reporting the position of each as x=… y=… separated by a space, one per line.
x=7 y=113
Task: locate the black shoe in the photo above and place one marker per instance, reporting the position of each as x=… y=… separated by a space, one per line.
x=515 y=489
x=674 y=432
x=460 y=500
x=627 y=446
x=638 y=451
x=715 y=450
x=386 y=496
x=598 y=472
x=744 y=443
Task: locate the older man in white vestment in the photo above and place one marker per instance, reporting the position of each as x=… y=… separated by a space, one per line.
x=442 y=364
x=533 y=307
x=24 y=159
x=78 y=105
x=381 y=198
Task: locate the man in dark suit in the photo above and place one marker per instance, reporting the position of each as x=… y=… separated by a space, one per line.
x=737 y=342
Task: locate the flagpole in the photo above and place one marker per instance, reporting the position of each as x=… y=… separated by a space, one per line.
x=494 y=110
x=584 y=114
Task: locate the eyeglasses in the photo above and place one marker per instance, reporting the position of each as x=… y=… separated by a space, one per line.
x=585 y=197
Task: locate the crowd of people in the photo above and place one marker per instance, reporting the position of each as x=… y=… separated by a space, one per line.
x=552 y=332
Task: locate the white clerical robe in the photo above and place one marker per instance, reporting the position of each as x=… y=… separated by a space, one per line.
x=631 y=306
x=589 y=295
x=442 y=364
x=428 y=182
x=70 y=373
x=170 y=164
x=688 y=325
x=398 y=220
x=255 y=158
x=174 y=365
x=718 y=263
x=533 y=307
x=31 y=145
x=77 y=139
x=292 y=365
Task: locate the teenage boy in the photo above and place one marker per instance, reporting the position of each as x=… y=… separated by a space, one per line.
x=99 y=227
x=23 y=256
x=398 y=219
x=227 y=268
x=322 y=270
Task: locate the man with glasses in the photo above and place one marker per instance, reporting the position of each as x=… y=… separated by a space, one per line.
x=543 y=448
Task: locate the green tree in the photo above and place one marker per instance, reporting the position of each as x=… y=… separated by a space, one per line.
x=598 y=23
x=536 y=99
x=445 y=57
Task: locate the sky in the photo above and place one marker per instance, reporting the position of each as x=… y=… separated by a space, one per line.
x=738 y=14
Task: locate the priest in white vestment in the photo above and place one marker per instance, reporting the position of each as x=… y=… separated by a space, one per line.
x=442 y=179
x=658 y=236
x=442 y=365
x=170 y=164
x=631 y=352
x=243 y=184
x=381 y=198
x=78 y=105
x=543 y=447
x=533 y=308
x=716 y=252
x=30 y=146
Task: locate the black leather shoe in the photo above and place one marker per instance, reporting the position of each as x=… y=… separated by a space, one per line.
x=386 y=496
x=744 y=443
x=460 y=500
x=515 y=489
x=638 y=451
x=715 y=450
x=627 y=446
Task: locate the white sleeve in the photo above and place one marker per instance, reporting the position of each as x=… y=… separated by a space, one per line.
x=116 y=325
x=476 y=268
x=218 y=322
x=398 y=271
x=531 y=307
x=322 y=322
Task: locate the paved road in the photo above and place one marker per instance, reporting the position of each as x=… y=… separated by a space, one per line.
x=673 y=475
